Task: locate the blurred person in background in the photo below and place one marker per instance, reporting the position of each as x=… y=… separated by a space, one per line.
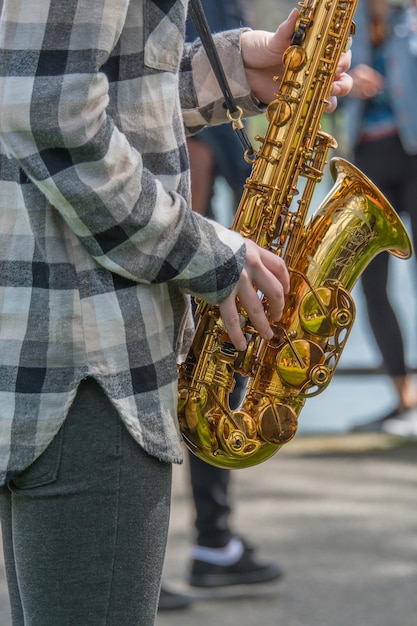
x=381 y=115
x=219 y=557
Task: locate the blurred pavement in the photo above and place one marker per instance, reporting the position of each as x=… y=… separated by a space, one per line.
x=339 y=513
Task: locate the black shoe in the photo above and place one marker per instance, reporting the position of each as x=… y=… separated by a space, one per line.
x=246 y=571
x=173 y=601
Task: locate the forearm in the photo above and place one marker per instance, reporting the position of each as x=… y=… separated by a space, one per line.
x=59 y=122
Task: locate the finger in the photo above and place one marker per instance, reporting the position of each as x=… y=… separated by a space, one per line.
x=344 y=62
x=274 y=292
x=231 y=321
x=273 y=280
x=284 y=31
x=331 y=104
x=276 y=265
x=342 y=85
x=251 y=302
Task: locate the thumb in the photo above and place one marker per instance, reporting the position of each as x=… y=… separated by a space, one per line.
x=284 y=33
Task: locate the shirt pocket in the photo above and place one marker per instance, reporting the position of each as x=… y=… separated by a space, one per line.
x=164 y=32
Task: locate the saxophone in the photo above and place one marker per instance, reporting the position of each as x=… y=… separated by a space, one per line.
x=325 y=257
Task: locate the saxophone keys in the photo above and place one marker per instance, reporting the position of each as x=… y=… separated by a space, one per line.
x=279 y=111
x=237 y=434
x=297 y=360
x=320 y=376
x=278 y=423
x=342 y=318
x=348 y=44
x=295 y=58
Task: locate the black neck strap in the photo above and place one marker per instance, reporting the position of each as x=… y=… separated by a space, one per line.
x=234 y=112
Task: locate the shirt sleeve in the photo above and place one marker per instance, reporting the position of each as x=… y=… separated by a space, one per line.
x=55 y=122
x=201 y=96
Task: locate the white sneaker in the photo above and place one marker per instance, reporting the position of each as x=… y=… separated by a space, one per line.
x=405 y=425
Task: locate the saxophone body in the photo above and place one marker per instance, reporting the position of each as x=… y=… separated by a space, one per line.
x=324 y=255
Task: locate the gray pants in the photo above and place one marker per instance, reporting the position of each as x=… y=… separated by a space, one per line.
x=85 y=527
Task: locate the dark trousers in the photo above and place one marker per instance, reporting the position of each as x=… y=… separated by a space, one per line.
x=211 y=492
x=210 y=488
x=395 y=174
x=85 y=526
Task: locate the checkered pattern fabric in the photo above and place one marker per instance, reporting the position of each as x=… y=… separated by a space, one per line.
x=99 y=247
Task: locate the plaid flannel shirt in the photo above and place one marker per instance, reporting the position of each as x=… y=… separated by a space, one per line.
x=99 y=246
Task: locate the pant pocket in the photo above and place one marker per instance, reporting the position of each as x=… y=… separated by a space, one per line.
x=44 y=470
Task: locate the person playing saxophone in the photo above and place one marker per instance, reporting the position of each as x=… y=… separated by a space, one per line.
x=100 y=250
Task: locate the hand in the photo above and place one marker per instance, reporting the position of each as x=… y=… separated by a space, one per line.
x=262 y=57
x=268 y=272
x=367 y=82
